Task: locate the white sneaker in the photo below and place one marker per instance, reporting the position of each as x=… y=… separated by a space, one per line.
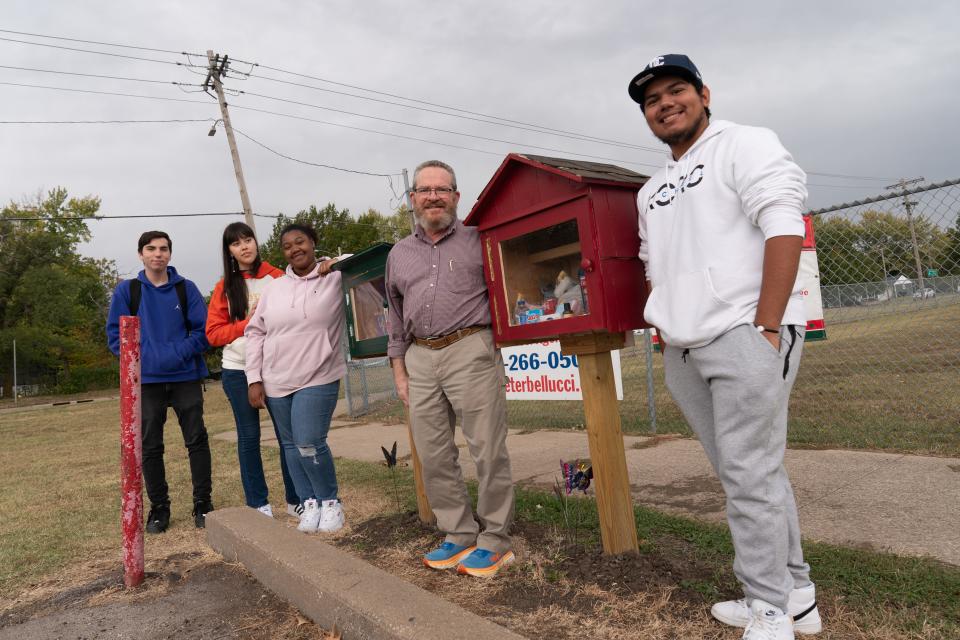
x=802 y=606
x=768 y=623
x=295 y=510
x=331 y=516
x=266 y=510
x=311 y=516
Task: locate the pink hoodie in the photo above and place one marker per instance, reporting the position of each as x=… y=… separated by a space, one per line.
x=294 y=336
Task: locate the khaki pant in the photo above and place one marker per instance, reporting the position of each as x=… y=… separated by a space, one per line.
x=465 y=380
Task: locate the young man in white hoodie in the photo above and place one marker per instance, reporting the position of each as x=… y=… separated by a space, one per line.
x=721 y=231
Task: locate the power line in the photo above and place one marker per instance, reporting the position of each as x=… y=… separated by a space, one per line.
x=382 y=133
x=334 y=124
x=104 y=93
x=274 y=113
x=89 y=75
x=203 y=214
x=133 y=216
x=481 y=116
x=425 y=102
x=841 y=175
x=282 y=155
x=320 y=107
x=448 y=131
x=838 y=186
x=103 y=121
x=101 y=53
x=106 y=44
x=533 y=128
x=313 y=164
x=489 y=118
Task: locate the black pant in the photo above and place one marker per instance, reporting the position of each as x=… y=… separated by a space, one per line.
x=186 y=398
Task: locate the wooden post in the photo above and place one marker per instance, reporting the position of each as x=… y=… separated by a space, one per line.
x=423 y=504
x=607 y=456
x=131 y=452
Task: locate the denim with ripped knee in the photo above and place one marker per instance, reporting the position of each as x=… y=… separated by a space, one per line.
x=303 y=421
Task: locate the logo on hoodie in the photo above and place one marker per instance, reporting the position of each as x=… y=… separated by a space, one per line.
x=665 y=193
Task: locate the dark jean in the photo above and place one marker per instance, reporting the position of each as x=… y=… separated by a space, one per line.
x=186 y=398
x=303 y=420
x=247 y=419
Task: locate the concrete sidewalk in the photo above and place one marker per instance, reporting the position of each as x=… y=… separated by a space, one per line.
x=901 y=503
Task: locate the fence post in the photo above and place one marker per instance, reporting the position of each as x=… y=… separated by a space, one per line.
x=131 y=452
x=651 y=402
x=347 y=395
x=363 y=386
x=14 y=372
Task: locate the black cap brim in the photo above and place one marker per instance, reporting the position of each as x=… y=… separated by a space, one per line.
x=638 y=86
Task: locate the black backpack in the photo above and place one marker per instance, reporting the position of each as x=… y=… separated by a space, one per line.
x=136 y=294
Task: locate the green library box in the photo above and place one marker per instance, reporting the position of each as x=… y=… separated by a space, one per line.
x=364 y=288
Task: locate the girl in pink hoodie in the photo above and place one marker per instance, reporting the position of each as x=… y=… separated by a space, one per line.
x=294 y=365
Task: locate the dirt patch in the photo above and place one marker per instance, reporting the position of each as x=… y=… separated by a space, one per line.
x=698 y=496
x=194 y=596
x=653 y=441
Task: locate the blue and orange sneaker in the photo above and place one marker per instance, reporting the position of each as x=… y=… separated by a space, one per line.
x=485 y=564
x=447 y=555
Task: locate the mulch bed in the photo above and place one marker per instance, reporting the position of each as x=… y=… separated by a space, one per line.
x=564 y=577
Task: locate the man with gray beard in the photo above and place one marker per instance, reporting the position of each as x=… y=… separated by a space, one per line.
x=446 y=366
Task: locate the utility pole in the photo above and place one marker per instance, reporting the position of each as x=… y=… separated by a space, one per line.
x=216 y=70
x=902 y=184
x=406 y=196
x=14 y=371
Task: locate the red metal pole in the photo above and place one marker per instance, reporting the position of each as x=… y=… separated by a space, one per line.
x=131 y=451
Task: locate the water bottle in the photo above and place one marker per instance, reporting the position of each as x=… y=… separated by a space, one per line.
x=520 y=310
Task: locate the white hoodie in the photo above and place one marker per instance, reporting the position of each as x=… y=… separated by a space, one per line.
x=704 y=220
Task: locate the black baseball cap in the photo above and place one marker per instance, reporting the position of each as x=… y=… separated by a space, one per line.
x=670 y=64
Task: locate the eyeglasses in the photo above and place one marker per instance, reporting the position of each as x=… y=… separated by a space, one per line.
x=442 y=192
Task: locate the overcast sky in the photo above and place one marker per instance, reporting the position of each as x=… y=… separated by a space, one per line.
x=866 y=89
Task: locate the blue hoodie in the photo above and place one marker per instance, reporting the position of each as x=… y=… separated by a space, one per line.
x=168 y=354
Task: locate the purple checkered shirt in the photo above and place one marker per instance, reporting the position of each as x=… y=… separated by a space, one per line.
x=435 y=288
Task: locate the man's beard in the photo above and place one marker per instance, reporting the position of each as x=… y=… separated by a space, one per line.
x=687 y=135
x=434 y=226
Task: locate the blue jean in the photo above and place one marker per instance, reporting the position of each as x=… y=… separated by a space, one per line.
x=248 y=443
x=303 y=421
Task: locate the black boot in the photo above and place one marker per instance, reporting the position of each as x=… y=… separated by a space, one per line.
x=200 y=511
x=159 y=518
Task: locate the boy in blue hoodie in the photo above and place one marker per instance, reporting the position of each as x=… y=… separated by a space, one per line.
x=173 y=318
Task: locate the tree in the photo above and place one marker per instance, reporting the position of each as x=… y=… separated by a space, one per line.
x=951 y=253
x=338 y=231
x=53 y=301
x=873 y=247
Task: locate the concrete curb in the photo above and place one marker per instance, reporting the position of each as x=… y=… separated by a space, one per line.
x=332 y=587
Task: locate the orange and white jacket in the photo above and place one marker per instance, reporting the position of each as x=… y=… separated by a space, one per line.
x=226 y=333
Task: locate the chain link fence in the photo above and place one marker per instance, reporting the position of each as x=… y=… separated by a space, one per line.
x=887 y=376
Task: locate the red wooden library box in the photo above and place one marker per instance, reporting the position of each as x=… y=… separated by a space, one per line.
x=560 y=248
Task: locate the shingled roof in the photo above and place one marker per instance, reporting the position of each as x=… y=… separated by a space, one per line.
x=591 y=170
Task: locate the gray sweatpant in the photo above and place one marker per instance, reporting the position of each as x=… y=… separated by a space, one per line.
x=734 y=395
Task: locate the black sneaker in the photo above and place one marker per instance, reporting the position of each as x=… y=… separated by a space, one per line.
x=159 y=518
x=200 y=511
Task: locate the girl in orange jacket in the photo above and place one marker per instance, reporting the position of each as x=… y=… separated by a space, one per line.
x=245 y=276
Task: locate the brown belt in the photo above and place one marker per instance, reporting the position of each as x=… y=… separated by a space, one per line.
x=450 y=338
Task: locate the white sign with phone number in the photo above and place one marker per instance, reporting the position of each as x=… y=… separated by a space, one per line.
x=540 y=372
